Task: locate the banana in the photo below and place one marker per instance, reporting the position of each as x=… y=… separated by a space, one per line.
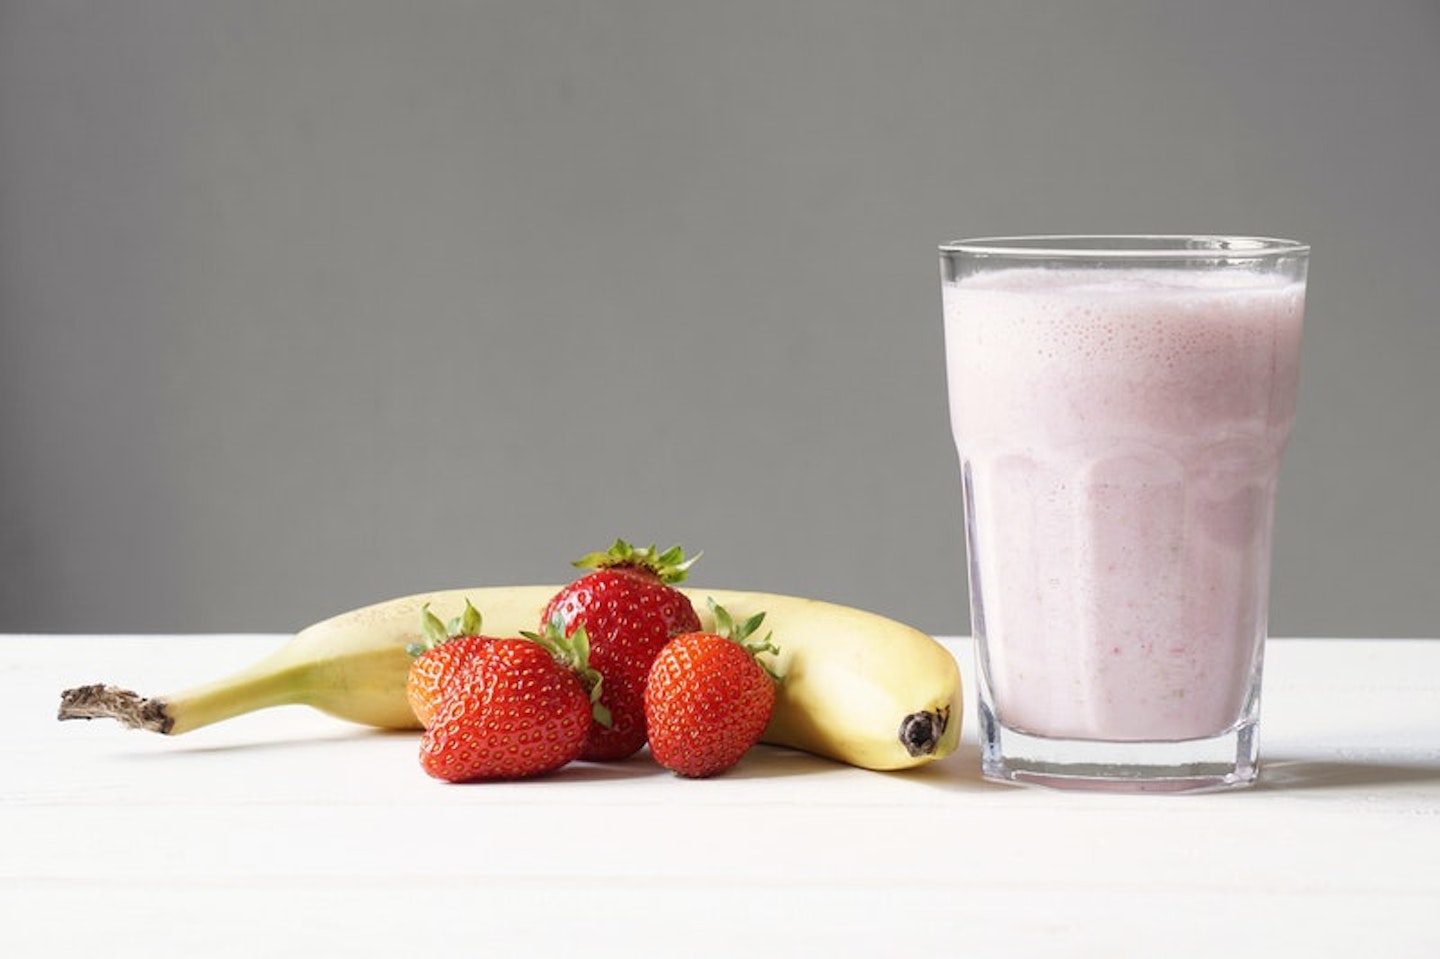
x=856 y=687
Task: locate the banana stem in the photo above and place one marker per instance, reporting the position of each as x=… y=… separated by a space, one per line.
x=257 y=687
x=99 y=701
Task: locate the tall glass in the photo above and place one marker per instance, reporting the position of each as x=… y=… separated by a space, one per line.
x=1120 y=405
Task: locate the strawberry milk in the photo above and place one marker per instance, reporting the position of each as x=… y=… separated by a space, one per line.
x=1120 y=432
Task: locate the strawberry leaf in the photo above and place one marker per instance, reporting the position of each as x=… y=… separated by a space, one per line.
x=669 y=566
x=466 y=624
x=726 y=627
x=573 y=651
x=433 y=632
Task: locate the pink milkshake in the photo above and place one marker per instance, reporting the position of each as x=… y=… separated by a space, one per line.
x=1120 y=427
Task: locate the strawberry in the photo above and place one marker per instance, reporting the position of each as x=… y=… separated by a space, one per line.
x=514 y=708
x=630 y=609
x=708 y=699
x=439 y=656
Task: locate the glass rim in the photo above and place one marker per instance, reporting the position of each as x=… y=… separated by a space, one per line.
x=1128 y=246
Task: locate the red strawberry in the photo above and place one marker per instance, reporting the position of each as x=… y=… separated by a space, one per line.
x=708 y=699
x=515 y=708
x=630 y=611
x=442 y=653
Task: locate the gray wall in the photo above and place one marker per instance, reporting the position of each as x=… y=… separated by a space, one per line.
x=308 y=304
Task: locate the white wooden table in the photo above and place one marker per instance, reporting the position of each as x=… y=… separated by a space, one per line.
x=289 y=833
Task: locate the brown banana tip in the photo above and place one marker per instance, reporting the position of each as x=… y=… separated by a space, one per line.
x=920 y=732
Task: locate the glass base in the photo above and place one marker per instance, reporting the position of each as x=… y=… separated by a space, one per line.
x=1227 y=761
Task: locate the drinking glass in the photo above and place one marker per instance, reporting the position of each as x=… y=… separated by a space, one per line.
x=1120 y=405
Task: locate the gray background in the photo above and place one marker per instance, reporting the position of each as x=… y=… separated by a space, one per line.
x=309 y=304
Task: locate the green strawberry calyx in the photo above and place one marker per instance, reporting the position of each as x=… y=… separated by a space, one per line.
x=670 y=566
x=740 y=633
x=434 y=633
x=573 y=651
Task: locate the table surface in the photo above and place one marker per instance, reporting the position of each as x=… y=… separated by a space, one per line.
x=287 y=832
